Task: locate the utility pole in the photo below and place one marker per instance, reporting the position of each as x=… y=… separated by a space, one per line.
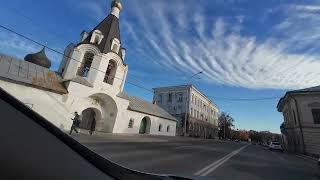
x=187 y=107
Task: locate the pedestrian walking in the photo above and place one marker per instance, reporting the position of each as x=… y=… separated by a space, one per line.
x=75 y=123
x=93 y=125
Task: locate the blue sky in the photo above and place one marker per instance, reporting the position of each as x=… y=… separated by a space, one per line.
x=247 y=49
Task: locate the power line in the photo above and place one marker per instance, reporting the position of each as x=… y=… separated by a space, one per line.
x=19 y=13
x=134 y=84
x=58 y=52
x=244 y=99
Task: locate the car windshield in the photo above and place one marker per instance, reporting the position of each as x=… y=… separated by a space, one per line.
x=221 y=89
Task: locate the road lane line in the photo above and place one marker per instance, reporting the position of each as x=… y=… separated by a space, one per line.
x=211 y=167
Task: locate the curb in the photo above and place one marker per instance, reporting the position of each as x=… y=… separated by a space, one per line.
x=307 y=157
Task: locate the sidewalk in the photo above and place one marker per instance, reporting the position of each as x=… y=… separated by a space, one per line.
x=84 y=136
x=306 y=157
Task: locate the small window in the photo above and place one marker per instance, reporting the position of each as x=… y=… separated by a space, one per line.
x=131 y=122
x=180 y=97
x=294 y=117
x=168 y=128
x=96 y=37
x=160 y=127
x=160 y=98
x=115 y=45
x=169 y=97
x=316 y=116
x=96 y=40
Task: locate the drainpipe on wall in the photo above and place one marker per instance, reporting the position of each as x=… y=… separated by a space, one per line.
x=299 y=120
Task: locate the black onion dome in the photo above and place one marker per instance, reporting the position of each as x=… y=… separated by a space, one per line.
x=40 y=58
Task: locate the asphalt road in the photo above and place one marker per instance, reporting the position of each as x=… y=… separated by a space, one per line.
x=186 y=156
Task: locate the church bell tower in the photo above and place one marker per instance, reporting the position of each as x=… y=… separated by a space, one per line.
x=99 y=57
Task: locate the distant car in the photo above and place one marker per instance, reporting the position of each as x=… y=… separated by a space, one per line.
x=275 y=146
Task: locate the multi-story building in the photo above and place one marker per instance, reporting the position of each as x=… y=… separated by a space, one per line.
x=187 y=102
x=301 y=127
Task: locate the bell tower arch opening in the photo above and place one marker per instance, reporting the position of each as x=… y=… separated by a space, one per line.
x=85 y=66
x=111 y=72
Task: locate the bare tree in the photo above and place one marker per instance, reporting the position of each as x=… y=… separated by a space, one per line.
x=225 y=125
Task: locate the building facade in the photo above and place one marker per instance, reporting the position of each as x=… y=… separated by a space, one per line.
x=301 y=127
x=186 y=102
x=90 y=80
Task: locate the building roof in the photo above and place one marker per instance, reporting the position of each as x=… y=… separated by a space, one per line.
x=311 y=89
x=79 y=80
x=40 y=58
x=315 y=89
x=140 y=105
x=27 y=73
x=110 y=29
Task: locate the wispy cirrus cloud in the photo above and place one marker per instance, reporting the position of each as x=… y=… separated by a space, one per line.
x=187 y=37
x=192 y=42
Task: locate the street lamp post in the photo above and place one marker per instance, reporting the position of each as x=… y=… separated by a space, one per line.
x=187 y=108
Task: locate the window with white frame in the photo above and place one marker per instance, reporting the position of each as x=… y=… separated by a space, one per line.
x=180 y=97
x=96 y=37
x=115 y=46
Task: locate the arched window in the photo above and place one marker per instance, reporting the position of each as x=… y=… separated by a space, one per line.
x=168 y=128
x=96 y=37
x=160 y=127
x=115 y=46
x=96 y=40
x=131 y=122
x=110 y=73
x=86 y=64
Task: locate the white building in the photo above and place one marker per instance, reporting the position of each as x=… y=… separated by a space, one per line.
x=202 y=113
x=90 y=80
x=301 y=126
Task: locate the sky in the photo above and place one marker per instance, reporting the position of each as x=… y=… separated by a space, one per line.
x=248 y=50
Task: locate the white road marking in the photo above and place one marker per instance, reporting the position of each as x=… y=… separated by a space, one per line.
x=213 y=166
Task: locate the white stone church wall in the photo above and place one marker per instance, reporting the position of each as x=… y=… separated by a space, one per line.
x=124 y=117
x=47 y=104
x=59 y=109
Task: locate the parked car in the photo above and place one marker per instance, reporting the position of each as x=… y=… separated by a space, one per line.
x=275 y=146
